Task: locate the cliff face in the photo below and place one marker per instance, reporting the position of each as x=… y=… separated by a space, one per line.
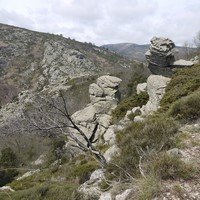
x=34 y=60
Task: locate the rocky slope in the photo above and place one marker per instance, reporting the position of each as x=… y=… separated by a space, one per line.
x=34 y=60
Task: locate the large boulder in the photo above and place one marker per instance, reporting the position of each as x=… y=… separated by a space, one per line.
x=90 y=189
x=156 y=85
x=141 y=87
x=108 y=81
x=160 y=55
x=183 y=63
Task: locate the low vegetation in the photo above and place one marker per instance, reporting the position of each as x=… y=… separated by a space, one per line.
x=186 y=108
x=184 y=82
x=144 y=145
x=128 y=103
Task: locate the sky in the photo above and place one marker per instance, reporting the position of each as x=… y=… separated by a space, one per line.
x=106 y=21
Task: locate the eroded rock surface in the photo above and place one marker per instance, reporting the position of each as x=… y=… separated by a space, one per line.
x=160 y=55
x=104 y=96
x=156 y=85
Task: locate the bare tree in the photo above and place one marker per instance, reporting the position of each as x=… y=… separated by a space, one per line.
x=51 y=116
x=197 y=40
x=187 y=50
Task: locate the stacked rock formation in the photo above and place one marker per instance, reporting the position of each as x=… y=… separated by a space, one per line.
x=161 y=59
x=160 y=55
x=104 y=96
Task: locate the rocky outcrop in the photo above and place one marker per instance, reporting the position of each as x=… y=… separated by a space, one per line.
x=160 y=55
x=156 y=88
x=36 y=61
x=156 y=85
x=141 y=87
x=104 y=96
x=90 y=189
x=182 y=63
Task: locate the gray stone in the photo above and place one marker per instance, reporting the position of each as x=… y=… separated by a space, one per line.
x=113 y=150
x=97 y=175
x=110 y=136
x=6 y=189
x=174 y=152
x=141 y=87
x=125 y=195
x=106 y=196
x=88 y=192
x=160 y=54
x=86 y=115
x=104 y=120
x=183 y=63
x=195 y=60
x=138 y=119
x=126 y=118
x=104 y=107
x=135 y=109
x=40 y=160
x=27 y=174
x=156 y=85
x=95 y=90
x=108 y=81
x=90 y=189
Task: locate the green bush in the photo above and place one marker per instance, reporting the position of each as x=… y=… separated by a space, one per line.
x=8 y=158
x=152 y=135
x=184 y=82
x=187 y=108
x=128 y=103
x=147 y=188
x=171 y=167
x=7 y=175
x=83 y=171
x=44 y=192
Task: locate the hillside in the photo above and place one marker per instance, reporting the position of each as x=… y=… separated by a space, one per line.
x=34 y=60
x=136 y=51
x=78 y=122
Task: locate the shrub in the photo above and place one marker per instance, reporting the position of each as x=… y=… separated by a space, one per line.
x=170 y=167
x=187 y=108
x=7 y=175
x=152 y=135
x=83 y=171
x=128 y=103
x=148 y=187
x=44 y=192
x=8 y=158
x=184 y=82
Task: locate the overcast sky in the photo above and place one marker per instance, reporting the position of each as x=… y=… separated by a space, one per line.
x=106 y=21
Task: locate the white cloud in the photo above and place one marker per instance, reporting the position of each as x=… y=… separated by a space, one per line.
x=106 y=21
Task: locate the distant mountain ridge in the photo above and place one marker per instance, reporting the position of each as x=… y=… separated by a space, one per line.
x=130 y=50
x=137 y=51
